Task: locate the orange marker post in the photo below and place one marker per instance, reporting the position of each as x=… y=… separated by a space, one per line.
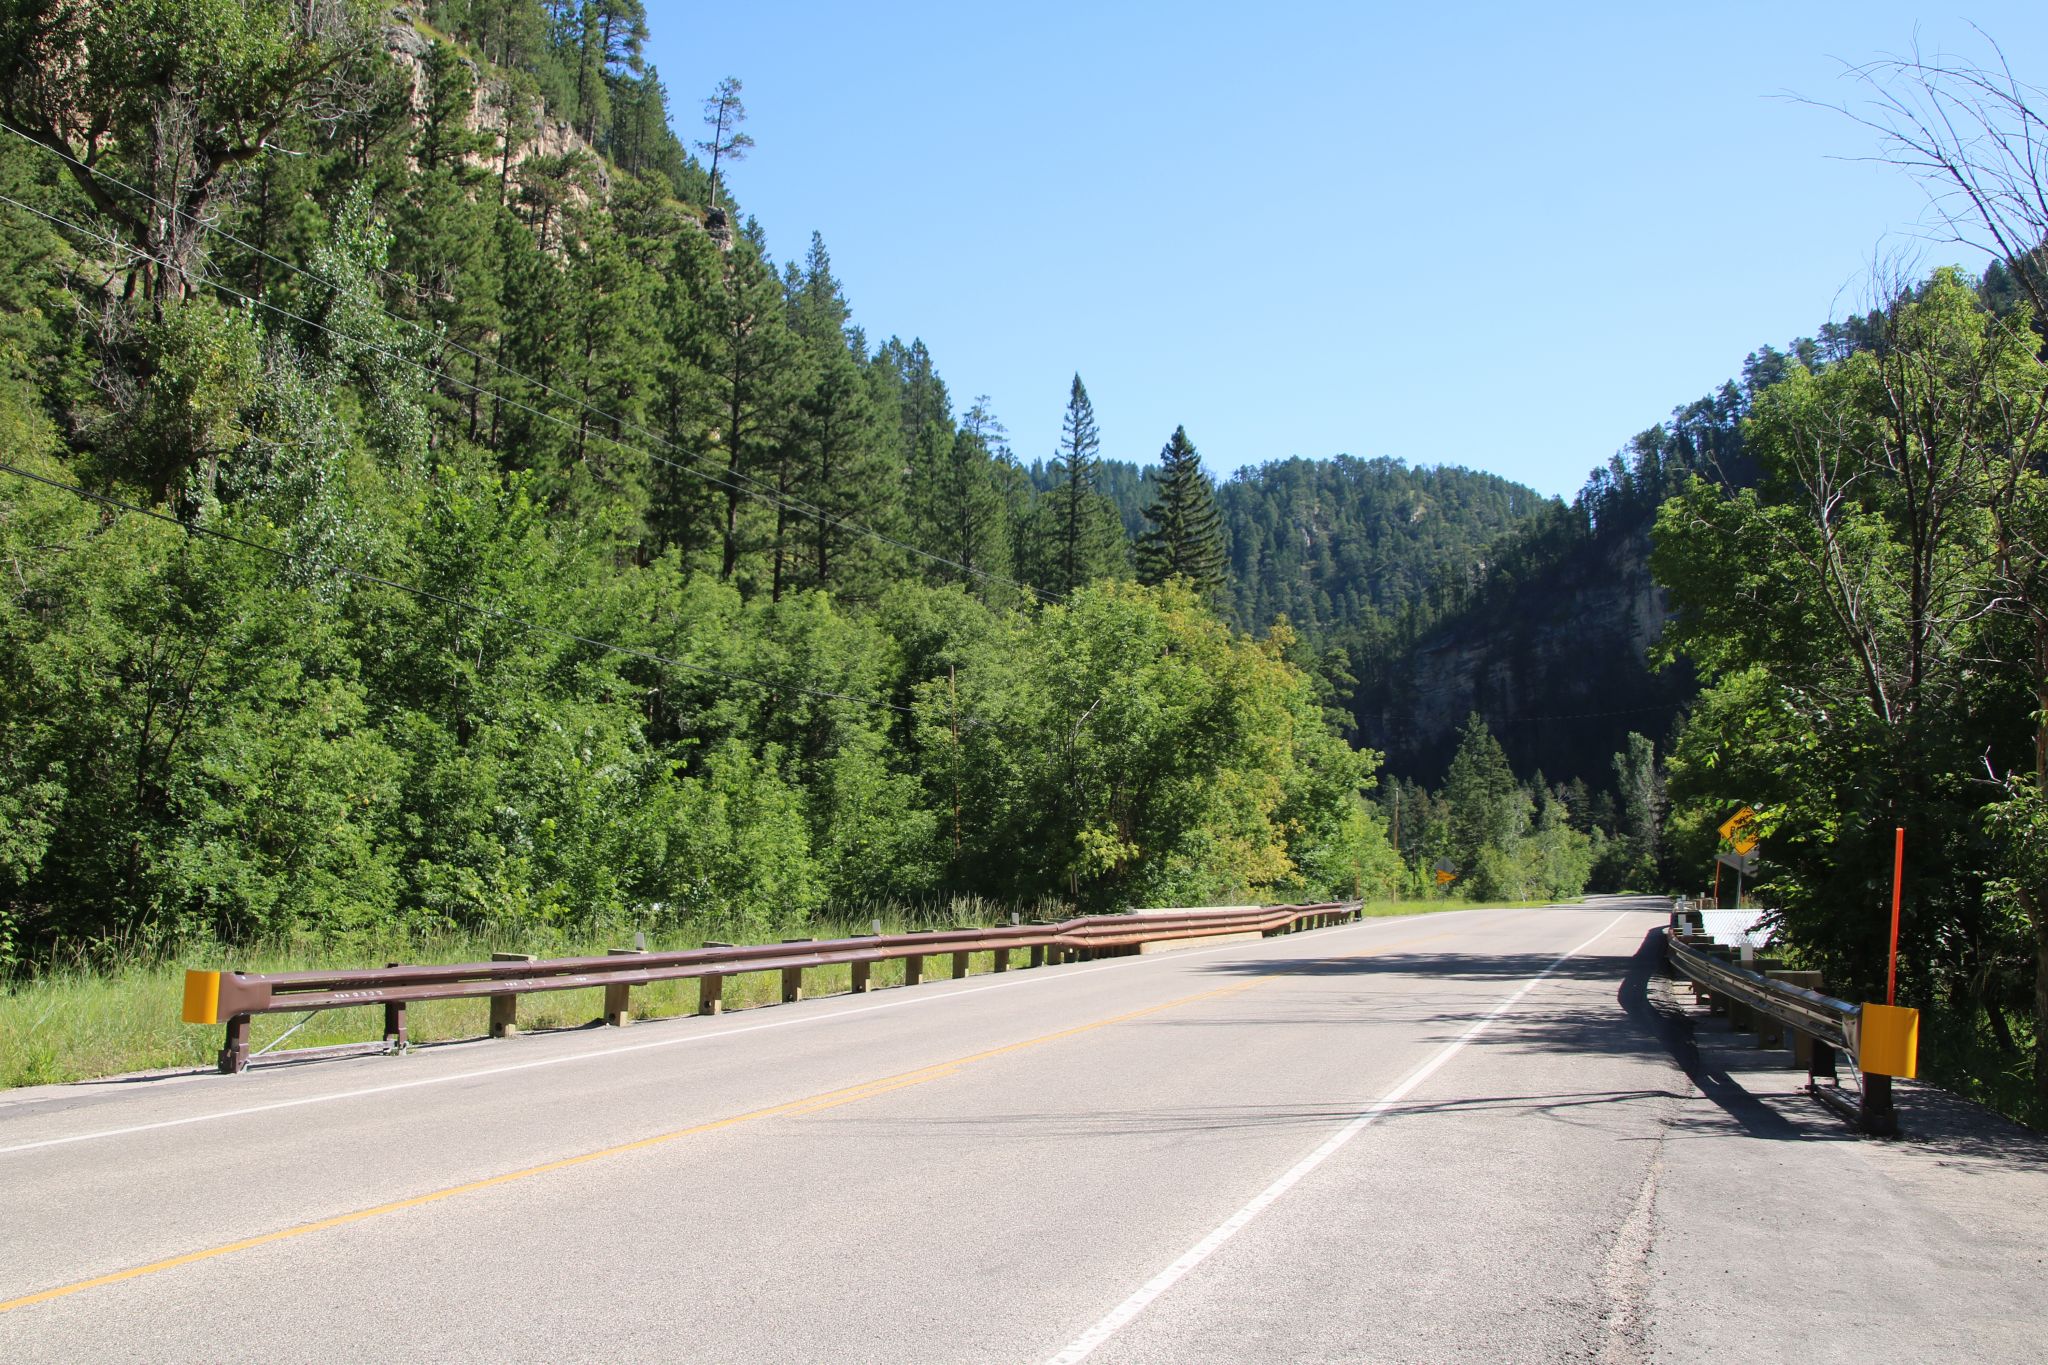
x=1891 y=976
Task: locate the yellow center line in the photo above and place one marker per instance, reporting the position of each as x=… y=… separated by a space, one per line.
x=808 y=1105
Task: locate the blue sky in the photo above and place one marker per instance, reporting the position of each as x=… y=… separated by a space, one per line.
x=1495 y=236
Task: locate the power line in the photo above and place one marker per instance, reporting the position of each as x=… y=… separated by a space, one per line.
x=719 y=477
x=1596 y=715
x=446 y=599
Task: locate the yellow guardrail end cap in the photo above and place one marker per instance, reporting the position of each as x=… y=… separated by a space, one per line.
x=202 y=997
x=1889 y=1042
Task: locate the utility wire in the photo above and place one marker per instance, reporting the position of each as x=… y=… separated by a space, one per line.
x=447 y=599
x=689 y=464
x=1595 y=715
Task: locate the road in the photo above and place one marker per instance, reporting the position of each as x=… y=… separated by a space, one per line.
x=1473 y=1136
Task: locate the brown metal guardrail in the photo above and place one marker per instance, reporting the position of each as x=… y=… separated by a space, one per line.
x=234 y=998
x=1786 y=1006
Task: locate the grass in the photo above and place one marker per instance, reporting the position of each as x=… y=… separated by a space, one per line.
x=82 y=1021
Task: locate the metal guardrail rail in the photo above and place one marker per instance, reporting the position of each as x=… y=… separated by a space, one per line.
x=1817 y=1027
x=234 y=998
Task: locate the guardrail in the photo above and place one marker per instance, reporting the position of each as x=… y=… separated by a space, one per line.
x=1788 y=1006
x=234 y=998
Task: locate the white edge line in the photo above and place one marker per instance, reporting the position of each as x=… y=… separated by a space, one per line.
x=1121 y=1316
x=626 y=1049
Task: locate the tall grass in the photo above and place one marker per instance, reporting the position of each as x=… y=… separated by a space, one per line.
x=106 y=1010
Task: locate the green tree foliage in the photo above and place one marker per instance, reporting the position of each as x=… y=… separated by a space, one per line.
x=1506 y=840
x=456 y=534
x=1185 y=539
x=1488 y=810
x=173 y=96
x=1131 y=750
x=1864 y=620
x=1634 y=859
x=963 y=496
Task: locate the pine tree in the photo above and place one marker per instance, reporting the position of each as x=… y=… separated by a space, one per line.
x=723 y=115
x=958 y=502
x=1488 y=810
x=1076 y=533
x=818 y=311
x=843 y=472
x=1185 y=539
x=746 y=355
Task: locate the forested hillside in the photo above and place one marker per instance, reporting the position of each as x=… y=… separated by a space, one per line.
x=426 y=500
x=1341 y=547
x=1551 y=642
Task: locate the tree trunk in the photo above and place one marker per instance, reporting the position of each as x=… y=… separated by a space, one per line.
x=2041 y=1012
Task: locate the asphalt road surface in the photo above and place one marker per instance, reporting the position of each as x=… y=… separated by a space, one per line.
x=1480 y=1135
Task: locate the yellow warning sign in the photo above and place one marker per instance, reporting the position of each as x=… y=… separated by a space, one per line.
x=1736 y=830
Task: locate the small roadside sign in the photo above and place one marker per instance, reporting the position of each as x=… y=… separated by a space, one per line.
x=1736 y=829
x=1445 y=872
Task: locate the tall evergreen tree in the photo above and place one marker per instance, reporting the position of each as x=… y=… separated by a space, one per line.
x=746 y=355
x=959 y=504
x=723 y=115
x=843 y=475
x=1488 y=810
x=1185 y=539
x=1076 y=533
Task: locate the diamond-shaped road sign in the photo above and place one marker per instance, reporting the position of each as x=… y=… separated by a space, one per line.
x=1735 y=829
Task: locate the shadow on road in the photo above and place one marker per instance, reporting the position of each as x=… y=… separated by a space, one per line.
x=1639 y=1026
x=1245 y=1117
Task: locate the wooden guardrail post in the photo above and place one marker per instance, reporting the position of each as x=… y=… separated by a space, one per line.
x=711 y=987
x=394 y=1021
x=913 y=969
x=793 y=977
x=960 y=958
x=618 y=1000
x=505 y=1008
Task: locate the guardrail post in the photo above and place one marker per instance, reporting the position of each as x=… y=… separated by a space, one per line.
x=793 y=977
x=234 y=1051
x=913 y=969
x=618 y=1000
x=960 y=959
x=394 y=1021
x=505 y=1008
x=711 y=987
x=1879 y=1117
x=862 y=973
